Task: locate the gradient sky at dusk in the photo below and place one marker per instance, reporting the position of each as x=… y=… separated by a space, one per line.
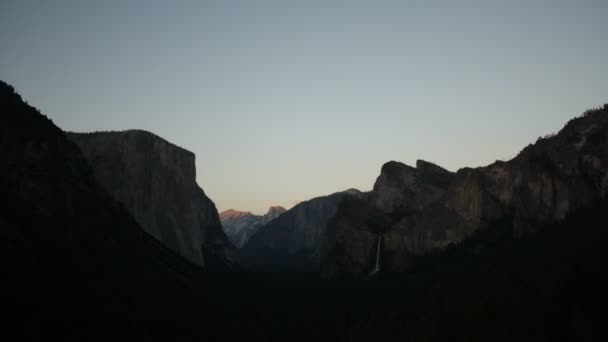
x=286 y=100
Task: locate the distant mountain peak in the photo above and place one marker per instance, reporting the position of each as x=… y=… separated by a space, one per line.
x=232 y=213
x=293 y=240
x=240 y=225
x=275 y=210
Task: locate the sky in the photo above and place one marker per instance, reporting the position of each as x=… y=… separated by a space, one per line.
x=283 y=101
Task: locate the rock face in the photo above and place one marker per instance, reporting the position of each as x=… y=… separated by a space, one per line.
x=423 y=209
x=273 y=212
x=76 y=264
x=293 y=240
x=156 y=181
x=241 y=225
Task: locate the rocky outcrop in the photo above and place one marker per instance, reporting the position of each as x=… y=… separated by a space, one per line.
x=241 y=225
x=75 y=264
x=293 y=240
x=423 y=209
x=402 y=188
x=156 y=181
x=273 y=212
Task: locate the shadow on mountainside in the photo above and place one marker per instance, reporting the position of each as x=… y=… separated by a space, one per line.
x=550 y=286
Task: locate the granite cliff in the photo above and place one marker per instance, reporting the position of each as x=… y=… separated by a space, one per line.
x=426 y=208
x=156 y=181
x=76 y=265
x=241 y=225
x=292 y=241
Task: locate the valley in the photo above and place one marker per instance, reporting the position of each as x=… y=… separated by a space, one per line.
x=107 y=235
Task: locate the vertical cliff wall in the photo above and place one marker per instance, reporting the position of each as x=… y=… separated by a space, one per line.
x=156 y=181
x=75 y=264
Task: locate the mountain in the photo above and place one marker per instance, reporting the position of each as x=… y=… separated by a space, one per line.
x=426 y=208
x=156 y=181
x=546 y=286
x=292 y=241
x=273 y=212
x=240 y=225
x=76 y=264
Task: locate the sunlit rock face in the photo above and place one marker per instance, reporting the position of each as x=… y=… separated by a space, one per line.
x=425 y=208
x=241 y=225
x=293 y=240
x=156 y=181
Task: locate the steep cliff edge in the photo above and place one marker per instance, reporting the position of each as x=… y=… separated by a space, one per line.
x=293 y=240
x=241 y=225
x=76 y=265
x=422 y=209
x=156 y=182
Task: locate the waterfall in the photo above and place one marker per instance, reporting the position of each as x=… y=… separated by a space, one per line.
x=378 y=257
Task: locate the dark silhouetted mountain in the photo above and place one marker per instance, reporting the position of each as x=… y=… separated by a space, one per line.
x=241 y=225
x=423 y=209
x=292 y=241
x=76 y=264
x=156 y=181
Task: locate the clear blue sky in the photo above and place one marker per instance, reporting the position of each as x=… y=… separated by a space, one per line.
x=286 y=100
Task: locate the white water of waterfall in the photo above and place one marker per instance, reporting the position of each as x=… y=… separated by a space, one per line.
x=377 y=266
